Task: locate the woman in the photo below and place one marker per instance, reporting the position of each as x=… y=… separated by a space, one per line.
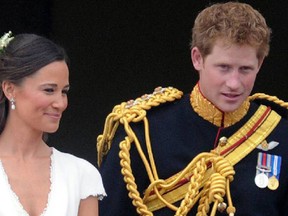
x=36 y=179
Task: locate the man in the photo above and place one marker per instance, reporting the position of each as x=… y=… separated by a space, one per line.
x=216 y=151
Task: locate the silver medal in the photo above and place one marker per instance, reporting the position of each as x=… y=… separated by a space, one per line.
x=261 y=180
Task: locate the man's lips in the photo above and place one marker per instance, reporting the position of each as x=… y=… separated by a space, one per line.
x=232 y=96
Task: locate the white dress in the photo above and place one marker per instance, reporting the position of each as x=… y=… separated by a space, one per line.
x=72 y=179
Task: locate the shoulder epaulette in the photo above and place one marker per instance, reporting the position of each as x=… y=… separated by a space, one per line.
x=132 y=111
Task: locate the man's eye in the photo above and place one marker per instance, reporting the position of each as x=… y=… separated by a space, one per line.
x=246 y=69
x=224 y=67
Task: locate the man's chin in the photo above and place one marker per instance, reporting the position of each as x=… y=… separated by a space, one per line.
x=229 y=108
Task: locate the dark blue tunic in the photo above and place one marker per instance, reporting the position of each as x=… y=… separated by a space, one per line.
x=178 y=134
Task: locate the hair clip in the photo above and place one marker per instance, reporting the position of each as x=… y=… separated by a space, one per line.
x=4 y=40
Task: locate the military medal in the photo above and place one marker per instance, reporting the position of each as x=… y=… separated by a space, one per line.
x=262 y=170
x=273 y=182
x=261 y=180
x=267 y=171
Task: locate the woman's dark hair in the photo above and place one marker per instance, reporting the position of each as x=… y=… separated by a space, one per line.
x=25 y=55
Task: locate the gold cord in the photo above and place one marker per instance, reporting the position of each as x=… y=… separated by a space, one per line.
x=269 y=98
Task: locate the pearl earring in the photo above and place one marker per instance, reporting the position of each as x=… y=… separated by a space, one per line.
x=13 y=106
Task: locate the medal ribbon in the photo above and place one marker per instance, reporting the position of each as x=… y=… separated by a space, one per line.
x=263 y=164
x=275 y=165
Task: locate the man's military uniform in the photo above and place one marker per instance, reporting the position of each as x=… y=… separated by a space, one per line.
x=169 y=154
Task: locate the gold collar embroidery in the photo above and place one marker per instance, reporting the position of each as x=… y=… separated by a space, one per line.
x=209 y=112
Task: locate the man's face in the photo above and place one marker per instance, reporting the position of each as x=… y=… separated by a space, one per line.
x=227 y=74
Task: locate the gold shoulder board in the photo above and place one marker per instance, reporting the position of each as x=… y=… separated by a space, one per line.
x=132 y=111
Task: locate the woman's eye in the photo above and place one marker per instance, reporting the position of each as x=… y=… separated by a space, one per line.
x=65 y=91
x=49 y=90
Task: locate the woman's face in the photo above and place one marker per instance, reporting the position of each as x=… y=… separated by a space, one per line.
x=41 y=98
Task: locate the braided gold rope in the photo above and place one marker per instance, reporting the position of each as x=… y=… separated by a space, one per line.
x=215 y=187
x=269 y=98
x=222 y=167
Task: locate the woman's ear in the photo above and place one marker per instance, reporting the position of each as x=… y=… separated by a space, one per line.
x=196 y=58
x=8 y=89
